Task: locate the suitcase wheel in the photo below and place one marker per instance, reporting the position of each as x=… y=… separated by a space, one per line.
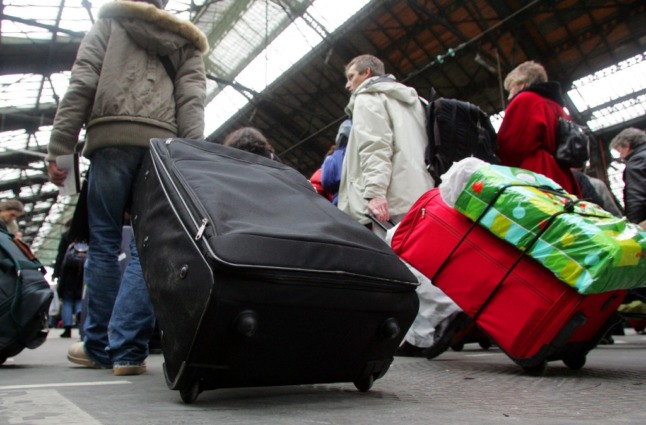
x=189 y=393
x=246 y=323
x=575 y=362
x=365 y=383
x=390 y=328
x=485 y=345
x=458 y=346
x=537 y=370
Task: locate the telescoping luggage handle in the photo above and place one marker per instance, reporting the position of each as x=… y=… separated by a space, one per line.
x=568 y=207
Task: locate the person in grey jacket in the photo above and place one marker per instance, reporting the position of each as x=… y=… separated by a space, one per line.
x=630 y=143
x=383 y=171
x=138 y=74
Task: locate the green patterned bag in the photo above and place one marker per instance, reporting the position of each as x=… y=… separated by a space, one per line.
x=583 y=245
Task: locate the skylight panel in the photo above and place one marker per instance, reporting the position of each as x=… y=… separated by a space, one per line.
x=222 y=107
x=13 y=140
x=623 y=82
x=618 y=113
x=287 y=49
x=331 y=15
x=19 y=90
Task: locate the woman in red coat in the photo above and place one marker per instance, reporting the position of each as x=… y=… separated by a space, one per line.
x=527 y=135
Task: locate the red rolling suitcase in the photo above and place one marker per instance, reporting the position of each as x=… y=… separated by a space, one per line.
x=527 y=311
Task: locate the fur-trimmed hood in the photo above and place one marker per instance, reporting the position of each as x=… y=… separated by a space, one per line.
x=130 y=14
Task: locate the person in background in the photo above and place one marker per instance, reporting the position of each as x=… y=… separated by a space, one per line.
x=10 y=210
x=138 y=74
x=332 y=167
x=588 y=191
x=383 y=171
x=527 y=134
x=630 y=144
x=595 y=190
x=252 y=140
x=69 y=271
x=317 y=176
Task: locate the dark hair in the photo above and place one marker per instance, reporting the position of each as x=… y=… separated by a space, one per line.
x=629 y=137
x=250 y=139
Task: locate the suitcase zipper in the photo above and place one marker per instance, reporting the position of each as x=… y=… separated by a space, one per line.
x=200 y=231
x=200 y=224
x=419 y=216
x=322 y=279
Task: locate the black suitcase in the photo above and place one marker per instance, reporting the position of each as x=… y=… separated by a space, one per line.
x=25 y=297
x=257 y=280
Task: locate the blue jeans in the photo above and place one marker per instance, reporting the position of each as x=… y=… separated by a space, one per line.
x=120 y=316
x=69 y=308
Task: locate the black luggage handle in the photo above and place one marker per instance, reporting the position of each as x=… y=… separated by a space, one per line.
x=372 y=217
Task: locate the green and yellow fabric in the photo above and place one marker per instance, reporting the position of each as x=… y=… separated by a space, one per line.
x=583 y=245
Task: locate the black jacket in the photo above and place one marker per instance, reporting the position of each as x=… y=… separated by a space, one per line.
x=635 y=189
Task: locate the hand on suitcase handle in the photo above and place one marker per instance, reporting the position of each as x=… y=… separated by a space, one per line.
x=379 y=223
x=379 y=207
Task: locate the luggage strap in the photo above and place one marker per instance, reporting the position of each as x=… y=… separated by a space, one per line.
x=567 y=208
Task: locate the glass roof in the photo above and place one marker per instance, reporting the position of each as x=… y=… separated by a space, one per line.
x=611 y=95
x=249 y=46
x=41 y=22
x=253 y=42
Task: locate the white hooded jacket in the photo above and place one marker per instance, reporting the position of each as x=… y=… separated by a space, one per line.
x=385 y=153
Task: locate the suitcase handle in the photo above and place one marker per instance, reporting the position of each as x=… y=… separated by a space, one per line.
x=372 y=217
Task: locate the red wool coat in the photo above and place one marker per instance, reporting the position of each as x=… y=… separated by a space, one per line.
x=527 y=138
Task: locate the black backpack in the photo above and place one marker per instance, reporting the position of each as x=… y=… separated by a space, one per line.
x=456 y=130
x=75 y=256
x=572 y=143
x=25 y=296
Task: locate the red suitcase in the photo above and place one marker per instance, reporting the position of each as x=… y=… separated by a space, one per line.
x=527 y=311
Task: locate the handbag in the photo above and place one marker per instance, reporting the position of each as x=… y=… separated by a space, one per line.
x=572 y=144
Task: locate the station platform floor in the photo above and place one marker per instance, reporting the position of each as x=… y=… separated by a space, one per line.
x=472 y=386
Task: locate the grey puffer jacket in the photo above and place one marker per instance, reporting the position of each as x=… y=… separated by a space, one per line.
x=119 y=88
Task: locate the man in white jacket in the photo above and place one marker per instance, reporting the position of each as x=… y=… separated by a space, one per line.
x=384 y=171
x=384 y=174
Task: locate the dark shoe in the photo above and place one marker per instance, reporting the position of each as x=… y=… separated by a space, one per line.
x=607 y=340
x=67 y=333
x=410 y=350
x=445 y=333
